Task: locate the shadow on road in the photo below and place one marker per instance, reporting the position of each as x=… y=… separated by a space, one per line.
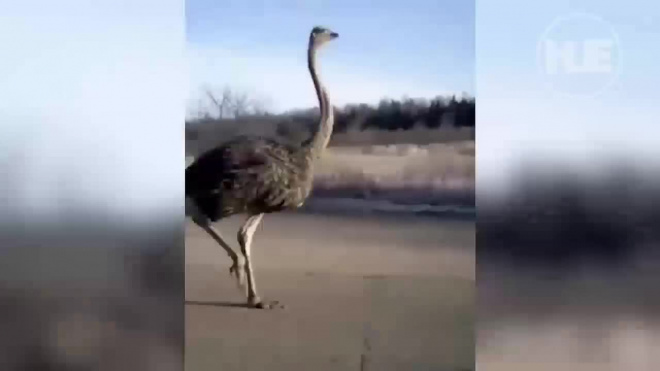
x=220 y=304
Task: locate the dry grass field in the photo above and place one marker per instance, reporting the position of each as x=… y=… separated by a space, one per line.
x=438 y=164
x=435 y=173
x=417 y=136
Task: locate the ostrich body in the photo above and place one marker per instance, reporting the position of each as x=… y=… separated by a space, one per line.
x=257 y=176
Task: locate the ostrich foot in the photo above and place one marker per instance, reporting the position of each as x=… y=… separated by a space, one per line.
x=236 y=270
x=255 y=302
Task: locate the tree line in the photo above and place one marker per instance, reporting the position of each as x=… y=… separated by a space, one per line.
x=404 y=114
x=389 y=114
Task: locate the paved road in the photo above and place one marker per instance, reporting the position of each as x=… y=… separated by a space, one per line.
x=377 y=293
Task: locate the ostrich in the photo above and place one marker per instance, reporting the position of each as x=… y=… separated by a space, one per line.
x=256 y=176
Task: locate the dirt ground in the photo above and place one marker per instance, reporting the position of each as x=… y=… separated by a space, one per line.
x=377 y=293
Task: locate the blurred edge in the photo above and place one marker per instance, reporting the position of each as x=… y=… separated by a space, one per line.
x=91 y=207
x=568 y=267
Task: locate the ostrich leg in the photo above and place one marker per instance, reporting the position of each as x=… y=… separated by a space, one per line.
x=245 y=235
x=203 y=222
x=236 y=268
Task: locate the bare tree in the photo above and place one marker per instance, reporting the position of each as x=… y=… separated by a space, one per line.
x=221 y=102
x=240 y=105
x=232 y=103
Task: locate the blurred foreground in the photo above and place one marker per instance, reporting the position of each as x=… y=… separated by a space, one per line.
x=569 y=269
x=90 y=295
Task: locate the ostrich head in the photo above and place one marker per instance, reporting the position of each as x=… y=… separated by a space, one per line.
x=321 y=35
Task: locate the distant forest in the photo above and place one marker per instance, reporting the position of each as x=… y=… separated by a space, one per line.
x=389 y=114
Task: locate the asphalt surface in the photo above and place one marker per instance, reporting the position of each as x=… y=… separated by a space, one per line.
x=360 y=293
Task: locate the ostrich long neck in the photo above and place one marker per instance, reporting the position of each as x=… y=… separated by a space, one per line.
x=321 y=135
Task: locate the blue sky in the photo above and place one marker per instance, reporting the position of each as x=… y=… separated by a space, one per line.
x=385 y=49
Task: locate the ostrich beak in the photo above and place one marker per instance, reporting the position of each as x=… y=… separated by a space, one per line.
x=334 y=35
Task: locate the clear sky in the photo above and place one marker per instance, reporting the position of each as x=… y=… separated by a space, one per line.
x=419 y=48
